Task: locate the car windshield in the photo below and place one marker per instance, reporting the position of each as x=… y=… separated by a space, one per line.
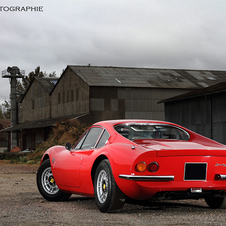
x=151 y=131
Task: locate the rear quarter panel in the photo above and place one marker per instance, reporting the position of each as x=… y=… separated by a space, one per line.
x=123 y=159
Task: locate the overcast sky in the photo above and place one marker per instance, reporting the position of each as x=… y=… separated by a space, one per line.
x=185 y=34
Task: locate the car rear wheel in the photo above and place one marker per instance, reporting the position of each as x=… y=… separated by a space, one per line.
x=216 y=202
x=108 y=196
x=47 y=185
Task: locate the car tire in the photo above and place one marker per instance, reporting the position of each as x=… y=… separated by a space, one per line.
x=47 y=185
x=216 y=202
x=108 y=196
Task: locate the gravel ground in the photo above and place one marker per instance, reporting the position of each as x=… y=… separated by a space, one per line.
x=21 y=204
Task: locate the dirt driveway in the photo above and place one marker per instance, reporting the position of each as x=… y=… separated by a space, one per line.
x=21 y=204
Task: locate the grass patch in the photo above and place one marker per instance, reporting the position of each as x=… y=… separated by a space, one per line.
x=14 y=157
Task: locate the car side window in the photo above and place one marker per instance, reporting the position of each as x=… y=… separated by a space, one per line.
x=91 y=138
x=105 y=136
x=78 y=145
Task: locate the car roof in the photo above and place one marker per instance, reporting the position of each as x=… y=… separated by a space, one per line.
x=122 y=121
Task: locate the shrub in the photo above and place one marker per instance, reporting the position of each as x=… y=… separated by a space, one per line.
x=62 y=133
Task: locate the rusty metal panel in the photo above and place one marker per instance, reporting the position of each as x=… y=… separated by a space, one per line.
x=96 y=104
x=114 y=105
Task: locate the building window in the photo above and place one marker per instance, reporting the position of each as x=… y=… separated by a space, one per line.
x=33 y=104
x=72 y=95
x=58 y=98
x=67 y=96
x=63 y=97
x=77 y=94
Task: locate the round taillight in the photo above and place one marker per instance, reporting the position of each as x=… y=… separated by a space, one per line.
x=141 y=166
x=153 y=167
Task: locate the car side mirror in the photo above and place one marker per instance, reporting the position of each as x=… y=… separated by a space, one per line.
x=68 y=146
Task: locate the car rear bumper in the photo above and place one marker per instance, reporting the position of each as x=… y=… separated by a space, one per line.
x=168 y=186
x=147 y=178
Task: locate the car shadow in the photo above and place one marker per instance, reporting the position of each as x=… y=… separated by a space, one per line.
x=183 y=205
x=132 y=206
x=79 y=198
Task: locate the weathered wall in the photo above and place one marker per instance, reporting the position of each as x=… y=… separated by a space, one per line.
x=193 y=114
x=219 y=117
x=128 y=103
x=205 y=115
x=35 y=105
x=28 y=139
x=70 y=96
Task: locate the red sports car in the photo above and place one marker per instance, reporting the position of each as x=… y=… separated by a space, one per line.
x=121 y=160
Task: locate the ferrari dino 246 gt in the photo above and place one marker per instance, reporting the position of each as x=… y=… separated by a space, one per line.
x=121 y=160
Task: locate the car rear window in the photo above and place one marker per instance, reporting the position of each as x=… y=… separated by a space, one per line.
x=151 y=131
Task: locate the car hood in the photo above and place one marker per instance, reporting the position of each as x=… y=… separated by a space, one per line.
x=181 y=148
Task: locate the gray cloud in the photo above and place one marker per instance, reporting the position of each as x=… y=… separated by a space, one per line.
x=184 y=34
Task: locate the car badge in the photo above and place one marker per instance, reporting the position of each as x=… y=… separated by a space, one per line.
x=222 y=164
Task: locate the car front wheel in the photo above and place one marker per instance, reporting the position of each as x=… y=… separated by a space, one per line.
x=108 y=196
x=47 y=185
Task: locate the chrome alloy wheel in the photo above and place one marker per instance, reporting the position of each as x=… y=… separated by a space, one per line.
x=102 y=186
x=48 y=182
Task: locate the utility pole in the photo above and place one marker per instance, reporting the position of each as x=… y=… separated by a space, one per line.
x=13 y=74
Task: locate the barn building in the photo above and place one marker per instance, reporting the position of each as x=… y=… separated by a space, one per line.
x=92 y=93
x=34 y=113
x=116 y=92
x=203 y=111
x=4 y=136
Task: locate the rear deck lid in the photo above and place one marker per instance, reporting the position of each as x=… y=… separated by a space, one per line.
x=166 y=148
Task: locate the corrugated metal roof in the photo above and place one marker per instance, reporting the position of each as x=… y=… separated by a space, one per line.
x=217 y=88
x=47 y=83
x=148 y=77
